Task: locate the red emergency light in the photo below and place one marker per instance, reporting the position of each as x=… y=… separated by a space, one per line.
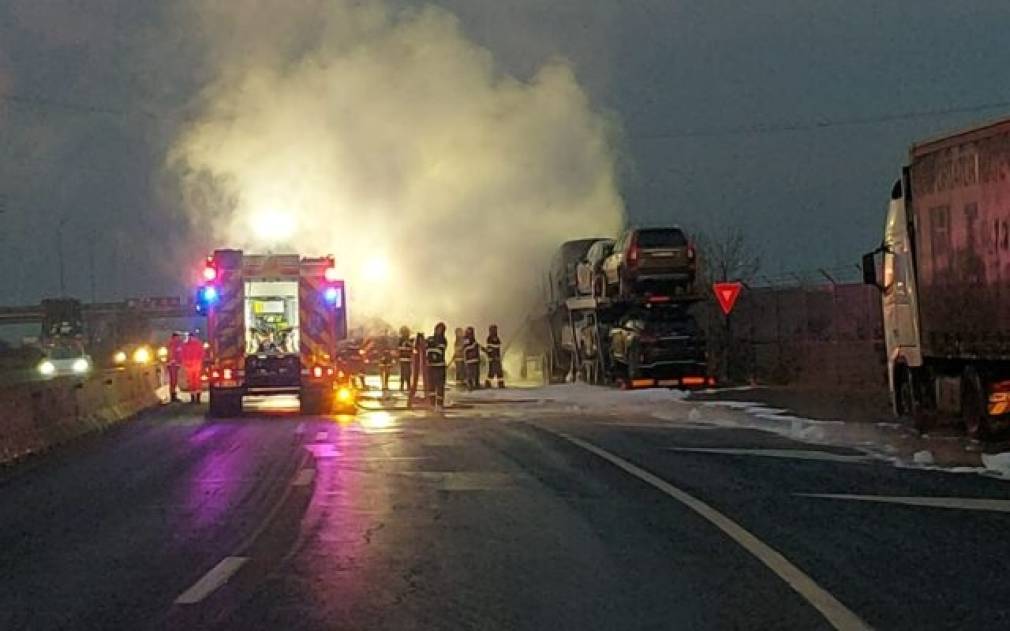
x=331 y=275
x=210 y=272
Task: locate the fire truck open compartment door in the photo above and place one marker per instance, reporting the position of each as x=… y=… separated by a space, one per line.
x=272 y=317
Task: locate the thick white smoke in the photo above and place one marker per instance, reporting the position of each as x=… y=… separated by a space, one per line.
x=387 y=138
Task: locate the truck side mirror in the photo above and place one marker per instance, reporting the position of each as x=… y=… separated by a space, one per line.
x=870 y=269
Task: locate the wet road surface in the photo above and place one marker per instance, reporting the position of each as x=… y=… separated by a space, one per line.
x=495 y=516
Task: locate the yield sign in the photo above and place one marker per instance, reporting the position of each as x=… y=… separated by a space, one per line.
x=726 y=294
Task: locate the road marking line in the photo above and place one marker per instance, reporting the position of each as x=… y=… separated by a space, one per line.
x=957 y=503
x=212 y=580
x=321 y=436
x=304 y=477
x=794 y=454
x=837 y=614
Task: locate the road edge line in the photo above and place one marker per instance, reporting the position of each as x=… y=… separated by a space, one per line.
x=212 y=580
x=837 y=614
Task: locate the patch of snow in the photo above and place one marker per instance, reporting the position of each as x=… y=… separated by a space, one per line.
x=997 y=463
x=923 y=457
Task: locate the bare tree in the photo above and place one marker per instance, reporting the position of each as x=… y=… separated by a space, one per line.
x=728 y=255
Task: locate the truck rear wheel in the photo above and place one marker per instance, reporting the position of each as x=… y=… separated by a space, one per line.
x=974 y=405
x=315 y=402
x=225 y=404
x=910 y=400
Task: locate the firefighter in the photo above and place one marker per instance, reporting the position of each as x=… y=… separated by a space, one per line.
x=457 y=357
x=434 y=358
x=471 y=357
x=493 y=350
x=405 y=353
x=192 y=363
x=419 y=371
x=385 y=364
x=174 y=363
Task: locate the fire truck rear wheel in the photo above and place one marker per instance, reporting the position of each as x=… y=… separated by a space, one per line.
x=314 y=402
x=225 y=404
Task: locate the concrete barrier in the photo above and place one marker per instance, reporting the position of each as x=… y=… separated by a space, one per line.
x=40 y=415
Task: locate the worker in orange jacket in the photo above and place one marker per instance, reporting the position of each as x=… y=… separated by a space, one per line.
x=192 y=365
x=174 y=362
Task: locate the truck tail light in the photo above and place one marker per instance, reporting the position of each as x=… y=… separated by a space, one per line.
x=693 y=381
x=690 y=252
x=317 y=371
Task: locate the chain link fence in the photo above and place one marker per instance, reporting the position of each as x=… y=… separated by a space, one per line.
x=820 y=328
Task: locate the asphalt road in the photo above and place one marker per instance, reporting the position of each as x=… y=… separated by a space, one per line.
x=496 y=516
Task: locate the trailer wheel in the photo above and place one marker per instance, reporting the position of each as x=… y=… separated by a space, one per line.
x=225 y=404
x=974 y=405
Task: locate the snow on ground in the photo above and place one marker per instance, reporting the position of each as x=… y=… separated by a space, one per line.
x=884 y=441
x=578 y=396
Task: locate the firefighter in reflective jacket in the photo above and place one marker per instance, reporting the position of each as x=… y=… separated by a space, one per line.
x=434 y=356
x=385 y=363
x=471 y=357
x=457 y=357
x=493 y=350
x=404 y=353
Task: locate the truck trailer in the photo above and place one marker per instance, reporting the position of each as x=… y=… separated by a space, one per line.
x=944 y=276
x=273 y=324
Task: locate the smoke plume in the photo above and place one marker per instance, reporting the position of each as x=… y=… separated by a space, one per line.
x=383 y=136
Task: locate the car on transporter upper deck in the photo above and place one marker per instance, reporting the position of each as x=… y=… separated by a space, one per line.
x=650 y=261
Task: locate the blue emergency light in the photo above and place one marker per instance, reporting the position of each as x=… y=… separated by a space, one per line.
x=332 y=295
x=209 y=294
x=205 y=297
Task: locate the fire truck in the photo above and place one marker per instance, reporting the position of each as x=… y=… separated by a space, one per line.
x=273 y=324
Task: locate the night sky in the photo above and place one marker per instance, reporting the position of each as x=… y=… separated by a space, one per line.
x=789 y=118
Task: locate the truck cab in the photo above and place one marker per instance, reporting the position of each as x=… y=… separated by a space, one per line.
x=273 y=324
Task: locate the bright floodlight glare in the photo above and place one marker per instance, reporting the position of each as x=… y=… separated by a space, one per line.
x=119 y=357
x=80 y=365
x=273 y=226
x=376 y=268
x=47 y=368
x=142 y=355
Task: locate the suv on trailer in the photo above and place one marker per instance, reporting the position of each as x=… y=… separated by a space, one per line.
x=562 y=273
x=650 y=261
x=589 y=279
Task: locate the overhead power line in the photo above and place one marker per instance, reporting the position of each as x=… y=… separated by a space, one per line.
x=45 y=103
x=776 y=128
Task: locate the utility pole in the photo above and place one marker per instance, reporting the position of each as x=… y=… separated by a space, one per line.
x=59 y=252
x=91 y=264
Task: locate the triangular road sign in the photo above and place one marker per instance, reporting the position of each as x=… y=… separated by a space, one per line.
x=726 y=294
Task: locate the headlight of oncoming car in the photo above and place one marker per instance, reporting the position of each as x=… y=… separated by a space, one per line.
x=142 y=355
x=119 y=357
x=81 y=365
x=47 y=368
